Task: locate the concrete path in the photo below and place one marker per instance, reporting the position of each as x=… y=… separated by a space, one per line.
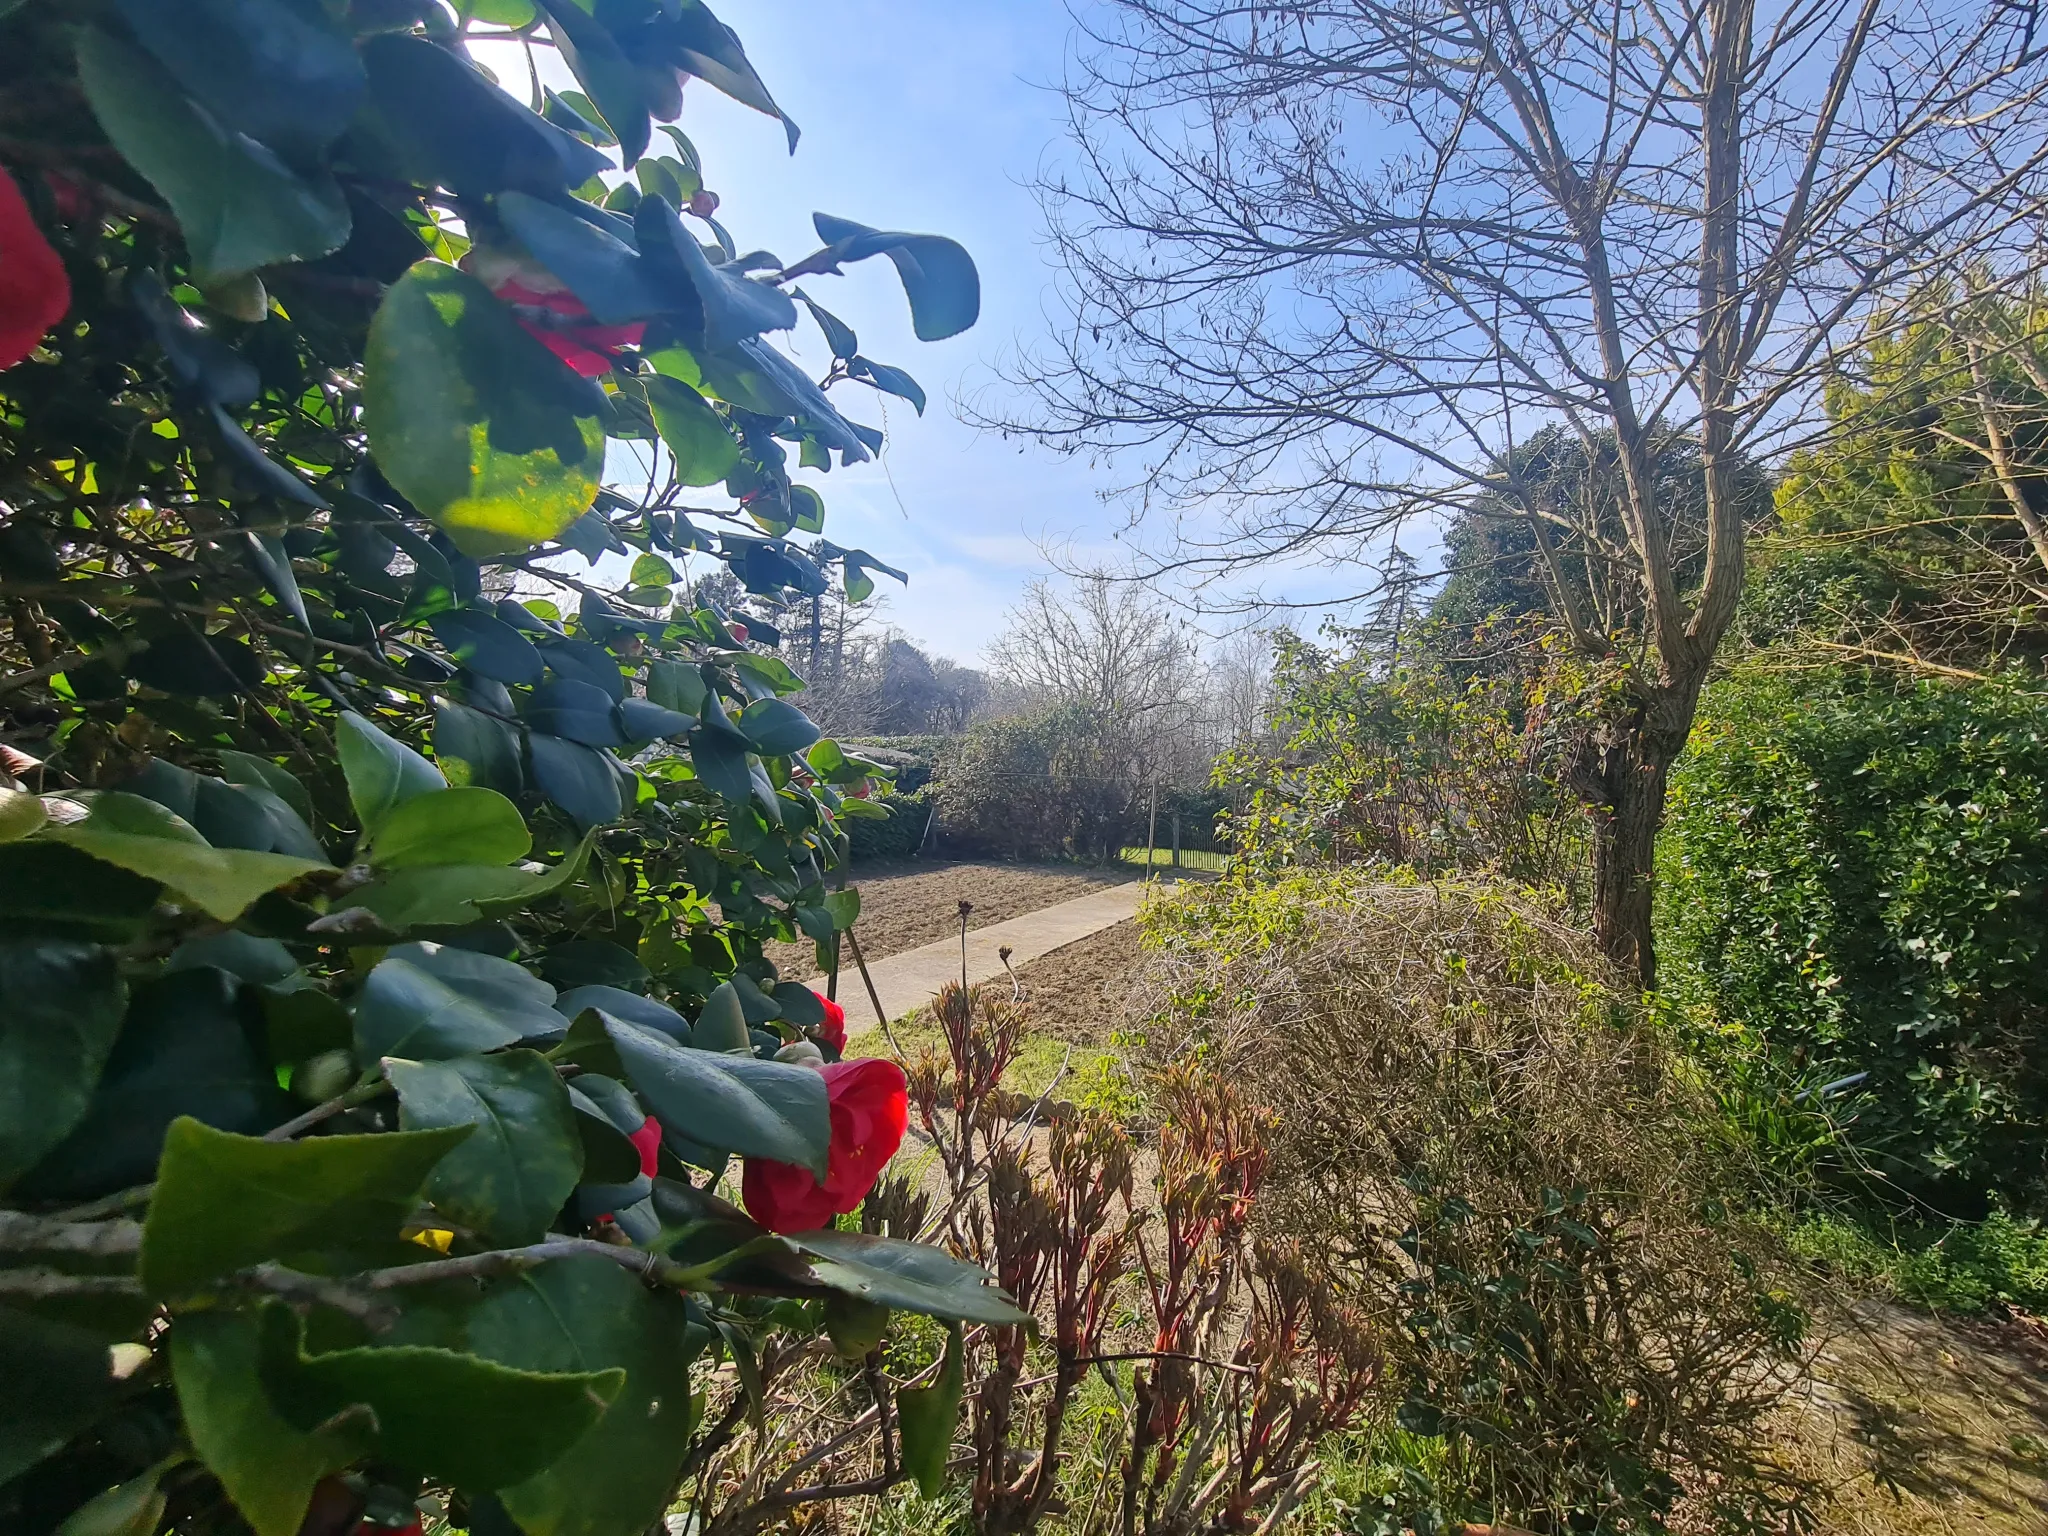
x=909 y=980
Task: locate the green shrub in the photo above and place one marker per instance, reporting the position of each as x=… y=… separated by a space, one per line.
x=900 y=836
x=1853 y=877
x=1962 y=1267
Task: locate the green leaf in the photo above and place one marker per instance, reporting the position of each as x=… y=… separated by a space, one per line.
x=643 y=720
x=224 y=1202
x=938 y=275
x=576 y=778
x=240 y=954
x=60 y=1379
x=133 y=1508
x=268 y=1466
x=777 y=728
x=427 y=1002
x=722 y=1025
x=908 y=1277
x=473 y=420
x=579 y=711
x=838 y=334
x=653 y=571
x=472 y=748
x=63 y=1011
x=720 y=758
x=452 y=826
x=705 y=449
x=275 y=71
x=676 y=685
x=454 y=895
x=382 y=773
x=141 y=836
x=21 y=814
x=182 y=1050
x=711 y=51
x=239 y=208
x=444 y=1415
x=844 y=907
x=621 y=1004
x=455 y=128
x=488 y=646
x=890 y=381
x=927 y=1416
x=809 y=508
x=605 y=73
x=510 y=1178
x=262 y=773
x=737 y=307
x=730 y=1103
x=585 y=1314
x=603 y=271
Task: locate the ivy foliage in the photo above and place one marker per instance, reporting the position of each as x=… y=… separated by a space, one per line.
x=384 y=875
x=1853 y=878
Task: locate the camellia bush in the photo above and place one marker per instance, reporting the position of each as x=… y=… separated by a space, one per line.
x=386 y=855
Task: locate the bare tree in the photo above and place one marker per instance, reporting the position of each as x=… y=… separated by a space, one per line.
x=1330 y=261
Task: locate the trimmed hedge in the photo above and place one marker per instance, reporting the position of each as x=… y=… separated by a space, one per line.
x=1855 y=876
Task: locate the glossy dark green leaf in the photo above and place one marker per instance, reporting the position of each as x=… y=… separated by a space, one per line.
x=908 y=1277
x=579 y=780
x=735 y=305
x=643 y=720
x=753 y=375
x=441 y=1414
x=268 y=1466
x=454 y=128
x=452 y=826
x=473 y=420
x=63 y=1007
x=799 y=1004
x=511 y=1177
x=777 y=728
x=262 y=773
x=382 y=773
x=938 y=275
x=722 y=1023
x=584 y=1314
x=267 y=555
x=60 y=1379
x=928 y=1416
x=592 y=962
x=239 y=207
x=734 y=1104
x=253 y=959
x=181 y=1051
x=711 y=51
x=451 y=895
x=579 y=116
x=676 y=685
x=838 y=334
x=196 y=666
x=141 y=836
x=49 y=889
x=890 y=381
x=473 y=748
x=488 y=646
x=608 y=1157
x=603 y=271
x=703 y=445
x=809 y=508
x=607 y=76
x=278 y=72
x=224 y=1202
x=583 y=661
x=251 y=816
x=576 y=710
x=427 y=1002
x=621 y=1004
x=721 y=763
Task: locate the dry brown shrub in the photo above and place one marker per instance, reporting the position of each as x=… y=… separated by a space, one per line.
x=1497 y=1158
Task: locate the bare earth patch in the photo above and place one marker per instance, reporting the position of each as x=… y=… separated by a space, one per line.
x=905 y=905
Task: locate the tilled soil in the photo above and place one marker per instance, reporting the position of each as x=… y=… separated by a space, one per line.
x=905 y=905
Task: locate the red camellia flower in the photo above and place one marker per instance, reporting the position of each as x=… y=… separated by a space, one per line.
x=833 y=1030
x=870 y=1112
x=34 y=292
x=555 y=317
x=648 y=1140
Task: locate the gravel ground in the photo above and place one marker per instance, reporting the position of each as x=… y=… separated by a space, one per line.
x=905 y=905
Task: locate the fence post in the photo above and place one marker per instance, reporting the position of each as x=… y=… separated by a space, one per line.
x=1152 y=830
x=1176 y=839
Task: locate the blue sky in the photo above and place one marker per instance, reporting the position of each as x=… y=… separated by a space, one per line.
x=925 y=115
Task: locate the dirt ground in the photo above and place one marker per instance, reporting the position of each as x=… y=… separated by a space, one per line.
x=1923 y=1426
x=903 y=905
x=1077 y=993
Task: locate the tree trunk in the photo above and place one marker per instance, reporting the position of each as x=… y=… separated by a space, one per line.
x=1623 y=776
